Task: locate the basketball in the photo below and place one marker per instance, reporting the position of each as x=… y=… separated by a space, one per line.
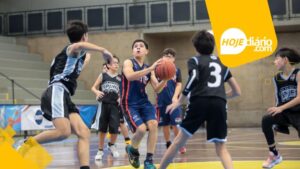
x=166 y=70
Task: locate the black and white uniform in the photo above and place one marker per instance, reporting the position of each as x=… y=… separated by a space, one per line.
x=64 y=71
x=108 y=113
x=285 y=91
x=207 y=97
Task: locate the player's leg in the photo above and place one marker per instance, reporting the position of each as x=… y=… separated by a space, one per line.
x=138 y=128
x=103 y=126
x=123 y=128
x=175 y=120
x=114 y=121
x=224 y=155
x=164 y=122
x=268 y=121
x=217 y=129
x=149 y=115
x=54 y=104
x=83 y=133
x=190 y=124
x=179 y=141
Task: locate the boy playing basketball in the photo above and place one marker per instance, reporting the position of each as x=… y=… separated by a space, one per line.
x=56 y=101
x=169 y=94
x=287 y=108
x=138 y=111
x=207 y=100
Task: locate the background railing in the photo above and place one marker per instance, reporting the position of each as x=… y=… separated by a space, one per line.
x=13 y=85
x=124 y=16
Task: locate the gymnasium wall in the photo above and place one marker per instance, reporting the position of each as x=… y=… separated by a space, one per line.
x=28 y=5
x=254 y=78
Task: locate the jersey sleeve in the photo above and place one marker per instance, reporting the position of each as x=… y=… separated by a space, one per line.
x=227 y=75
x=193 y=75
x=178 y=76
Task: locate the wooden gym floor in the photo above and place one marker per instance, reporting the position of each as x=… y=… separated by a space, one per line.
x=246 y=145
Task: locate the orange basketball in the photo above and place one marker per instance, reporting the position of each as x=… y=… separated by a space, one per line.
x=166 y=70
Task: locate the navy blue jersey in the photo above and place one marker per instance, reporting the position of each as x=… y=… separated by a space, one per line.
x=134 y=92
x=166 y=95
x=285 y=88
x=66 y=69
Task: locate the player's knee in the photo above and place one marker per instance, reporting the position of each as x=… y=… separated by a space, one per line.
x=141 y=129
x=64 y=134
x=266 y=121
x=152 y=125
x=83 y=132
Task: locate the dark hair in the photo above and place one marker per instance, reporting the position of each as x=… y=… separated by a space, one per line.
x=140 y=40
x=291 y=54
x=168 y=51
x=75 y=31
x=204 y=42
x=114 y=56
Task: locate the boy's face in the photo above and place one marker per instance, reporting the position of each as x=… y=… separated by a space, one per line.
x=169 y=56
x=114 y=65
x=139 y=49
x=280 y=62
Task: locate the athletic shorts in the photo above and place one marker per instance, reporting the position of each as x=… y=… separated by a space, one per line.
x=138 y=114
x=211 y=110
x=56 y=102
x=107 y=118
x=166 y=119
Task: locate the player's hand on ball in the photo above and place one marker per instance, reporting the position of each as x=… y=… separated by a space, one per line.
x=156 y=63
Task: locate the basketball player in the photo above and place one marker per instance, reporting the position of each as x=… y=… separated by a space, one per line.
x=106 y=88
x=169 y=94
x=138 y=111
x=56 y=101
x=286 y=111
x=207 y=100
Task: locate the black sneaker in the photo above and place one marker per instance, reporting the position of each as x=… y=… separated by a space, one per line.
x=133 y=156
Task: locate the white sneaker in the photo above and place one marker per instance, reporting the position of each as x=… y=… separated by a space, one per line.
x=113 y=150
x=272 y=160
x=99 y=155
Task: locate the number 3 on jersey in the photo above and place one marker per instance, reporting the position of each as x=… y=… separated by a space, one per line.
x=216 y=73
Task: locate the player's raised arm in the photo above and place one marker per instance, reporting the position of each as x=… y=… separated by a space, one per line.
x=135 y=75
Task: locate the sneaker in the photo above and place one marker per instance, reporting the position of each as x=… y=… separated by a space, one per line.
x=133 y=156
x=99 y=155
x=182 y=150
x=149 y=165
x=113 y=150
x=272 y=160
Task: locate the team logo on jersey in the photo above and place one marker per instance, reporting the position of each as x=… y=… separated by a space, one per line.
x=144 y=79
x=287 y=93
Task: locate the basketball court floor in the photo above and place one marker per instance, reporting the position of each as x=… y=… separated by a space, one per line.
x=246 y=145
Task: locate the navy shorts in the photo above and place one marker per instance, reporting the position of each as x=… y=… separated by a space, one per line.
x=137 y=115
x=166 y=119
